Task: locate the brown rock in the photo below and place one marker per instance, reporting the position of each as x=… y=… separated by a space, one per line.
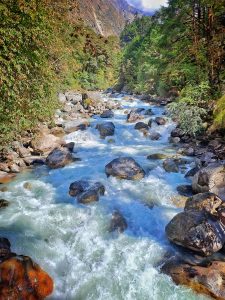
x=44 y=143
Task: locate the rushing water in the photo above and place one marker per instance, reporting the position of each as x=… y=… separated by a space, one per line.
x=72 y=241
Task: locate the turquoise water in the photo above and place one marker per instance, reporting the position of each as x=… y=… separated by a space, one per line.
x=72 y=241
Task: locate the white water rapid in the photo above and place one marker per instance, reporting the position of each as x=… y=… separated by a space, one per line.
x=72 y=241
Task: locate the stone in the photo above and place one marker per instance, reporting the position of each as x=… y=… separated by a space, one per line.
x=62 y=98
x=106 y=129
x=14 y=168
x=69 y=146
x=4 y=167
x=192 y=172
x=156 y=156
x=179 y=201
x=4 y=189
x=118 y=223
x=67 y=108
x=134 y=115
x=207 y=202
x=174 y=140
x=45 y=143
x=86 y=191
x=177 y=132
x=170 y=166
x=150 y=123
x=59 y=158
x=4 y=203
x=206 y=279
x=76 y=125
x=154 y=136
x=5 y=177
x=27 y=185
x=185 y=190
x=107 y=114
x=58 y=131
x=196 y=231
x=20 y=149
x=207 y=158
x=125 y=168
x=149 y=112
x=73 y=97
x=21 y=278
x=160 y=120
x=210 y=179
x=141 y=126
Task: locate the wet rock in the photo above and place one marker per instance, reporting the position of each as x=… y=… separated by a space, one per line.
x=192 y=172
x=154 y=136
x=196 y=231
x=5 y=177
x=70 y=146
x=170 y=166
x=21 y=278
x=107 y=114
x=160 y=120
x=76 y=125
x=27 y=186
x=125 y=168
x=86 y=191
x=34 y=160
x=207 y=158
x=4 y=203
x=189 y=151
x=157 y=156
x=141 y=126
x=14 y=168
x=59 y=158
x=185 y=190
x=106 y=129
x=208 y=279
x=179 y=201
x=210 y=179
x=134 y=116
x=174 y=140
x=149 y=112
x=177 y=132
x=118 y=222
x=4 y=189
x=207 y=202
x=5 y=248
x=111 y=141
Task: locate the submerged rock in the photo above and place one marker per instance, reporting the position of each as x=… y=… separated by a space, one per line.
x=208 y=279
x=125 y=168
x=59 y=158
x=141 y=126
x=154 y=136
x=118 y=222
x=157 y=156
x=86 y=191
x=160 y=120
x=4 y=203
x=210 y=179
x=106 y=129
x=170 y=166
x=107 y=114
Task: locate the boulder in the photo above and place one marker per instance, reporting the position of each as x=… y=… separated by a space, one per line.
x=86 y=191
x=206 y=279
x=134 y=116
x=106 y=129
x=21 y=278
x=59 y=158
x=154 y=136
x=58 y=131
x=192 y=172
x=45 y=143
x=210 y=179
x=170 y=166
x=62 y=98
x=4 y=203
x=118 y=222
x=141 y=126
x=157 y=156
x=149 y=112
x=174 y=140
x=160 y=120
x=150 y=123
x=177 y=132
x=125 y=168
x=76 y=125
x=196 y=231
x=185 y=190
x=107 y=114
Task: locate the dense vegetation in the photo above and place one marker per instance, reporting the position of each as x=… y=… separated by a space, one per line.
x=180 y=53
x=43 y=50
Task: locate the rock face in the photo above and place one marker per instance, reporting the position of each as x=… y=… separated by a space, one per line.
x=201 y=226
x=210 y=179
x=118 y=222
x=207 y=280
x=59 y=158
x=20 y=277
x=106 y=129
x=125 y=168
x=86 y=191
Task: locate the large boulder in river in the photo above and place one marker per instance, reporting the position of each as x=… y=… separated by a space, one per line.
x=44 y=143
x=59 y=158
x=106 y=129
x=135 y=115
x=160 y=120
x=207 y=279
x=141 y=126
x=154 y=136
x=86 y=191
x=201 y=226
x=107 y=114
x=125 y=168
x=210 y=179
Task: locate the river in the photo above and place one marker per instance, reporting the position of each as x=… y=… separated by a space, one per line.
x=72 y=241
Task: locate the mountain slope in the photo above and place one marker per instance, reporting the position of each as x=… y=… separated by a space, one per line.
x=106 y=17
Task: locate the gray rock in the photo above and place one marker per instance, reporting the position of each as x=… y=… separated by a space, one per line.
x=62 y=98
x=170 y=166
x=106 y=129
x=160 y=120
x=141 y=126
x=125 y=168
x=107 y=114
x=134 y=116
x=118 y=222
x=59 y=158
x=185 y=190
x=154 y=136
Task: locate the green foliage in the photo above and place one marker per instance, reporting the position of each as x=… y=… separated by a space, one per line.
x=219 y=113
x=42 y=50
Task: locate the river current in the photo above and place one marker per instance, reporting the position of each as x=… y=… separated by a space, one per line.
x=72 y=242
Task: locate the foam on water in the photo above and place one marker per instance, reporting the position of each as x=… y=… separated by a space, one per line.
x=72 y=241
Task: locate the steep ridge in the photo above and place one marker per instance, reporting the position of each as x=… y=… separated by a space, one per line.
x=106 y=17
